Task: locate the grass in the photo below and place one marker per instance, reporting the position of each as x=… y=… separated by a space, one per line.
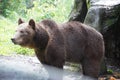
x=58 y=11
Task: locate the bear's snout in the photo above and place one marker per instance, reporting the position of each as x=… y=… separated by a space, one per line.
x=13 y=40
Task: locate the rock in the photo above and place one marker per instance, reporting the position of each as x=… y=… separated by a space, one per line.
x=104 y=15
x=21 y=67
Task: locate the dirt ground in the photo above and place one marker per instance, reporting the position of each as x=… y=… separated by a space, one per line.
x=113 y=70
x=19 y=67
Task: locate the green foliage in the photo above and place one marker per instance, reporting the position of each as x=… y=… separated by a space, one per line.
x=37 y=9
x=12 y=10
x=7 y=6
x=52 y=9
x=110 y=71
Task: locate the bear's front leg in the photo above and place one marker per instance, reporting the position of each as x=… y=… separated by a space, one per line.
x=54 y=68
x=54 y=72
x=40 y=55
x=55 y=56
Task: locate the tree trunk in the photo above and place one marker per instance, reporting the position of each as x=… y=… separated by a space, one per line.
x=79 y=11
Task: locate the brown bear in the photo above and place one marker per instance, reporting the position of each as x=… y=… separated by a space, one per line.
x=56 y=43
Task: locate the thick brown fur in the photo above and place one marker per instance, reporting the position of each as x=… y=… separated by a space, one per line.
x=71 y=41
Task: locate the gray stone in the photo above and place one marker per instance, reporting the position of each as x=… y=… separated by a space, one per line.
x=104 y=15
x=21 y=67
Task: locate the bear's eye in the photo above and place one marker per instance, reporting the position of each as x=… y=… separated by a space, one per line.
x=21 y=31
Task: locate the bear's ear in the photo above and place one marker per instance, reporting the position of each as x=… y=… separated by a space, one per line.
x=32 y=23
x=20 y=21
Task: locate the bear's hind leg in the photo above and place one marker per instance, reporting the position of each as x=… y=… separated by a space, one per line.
x=91 y=67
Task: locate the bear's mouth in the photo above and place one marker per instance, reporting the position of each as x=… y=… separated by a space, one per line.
x=23 y=44
x=16 y=43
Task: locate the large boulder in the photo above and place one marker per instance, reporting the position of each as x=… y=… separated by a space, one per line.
x=104 y=15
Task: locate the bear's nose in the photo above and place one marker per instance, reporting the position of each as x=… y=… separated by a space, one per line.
x=13 y=40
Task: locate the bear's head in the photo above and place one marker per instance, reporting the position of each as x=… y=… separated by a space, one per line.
x=24 y=33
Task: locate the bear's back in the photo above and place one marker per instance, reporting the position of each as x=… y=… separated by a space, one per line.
x=78 y=37
x=49 y=25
